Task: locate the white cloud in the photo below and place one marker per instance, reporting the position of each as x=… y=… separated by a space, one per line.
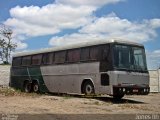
x=154 y=23
x=50 y=19
x=111 y=26
x=114 y=26
x=74 y=38
x=21 y=45
x=95 y=3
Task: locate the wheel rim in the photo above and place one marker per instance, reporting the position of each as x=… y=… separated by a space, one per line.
x=35 y=88
x=89 y=89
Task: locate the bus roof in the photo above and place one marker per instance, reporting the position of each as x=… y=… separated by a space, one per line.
x=78 y=45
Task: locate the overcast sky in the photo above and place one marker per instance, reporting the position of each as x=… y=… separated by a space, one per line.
x=39 y=24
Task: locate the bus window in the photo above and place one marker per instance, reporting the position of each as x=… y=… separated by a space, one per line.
x=26 y=61
x=85 y=54
x=47 y=58
x=104 y=79
x=139 y=58
x=16 y=61
x=94 y=53
x=73 y=55
x=60 y=57
x=36 y=59
x=122 y=56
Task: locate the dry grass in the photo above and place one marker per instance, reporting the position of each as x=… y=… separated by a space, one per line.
x=132 y=106
x=7 y=91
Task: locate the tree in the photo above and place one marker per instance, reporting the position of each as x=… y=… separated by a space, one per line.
x=1 y=49
x=6 y=45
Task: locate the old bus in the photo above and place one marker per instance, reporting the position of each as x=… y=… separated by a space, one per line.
x=112 y=67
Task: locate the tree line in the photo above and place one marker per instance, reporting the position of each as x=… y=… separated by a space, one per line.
x=7 y=46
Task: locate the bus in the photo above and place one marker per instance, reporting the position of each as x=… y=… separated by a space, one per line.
x=106 y=67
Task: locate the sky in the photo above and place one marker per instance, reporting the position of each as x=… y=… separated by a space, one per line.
x=39 y=24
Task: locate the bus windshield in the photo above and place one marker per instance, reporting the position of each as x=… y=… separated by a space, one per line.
x=128 y=57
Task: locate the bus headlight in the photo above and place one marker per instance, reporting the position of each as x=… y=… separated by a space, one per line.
x=120 y=89
x=124 y=89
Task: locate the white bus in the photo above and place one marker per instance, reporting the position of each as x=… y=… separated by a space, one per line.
x=111 y=67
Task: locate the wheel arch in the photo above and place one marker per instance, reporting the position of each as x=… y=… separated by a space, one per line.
x=35 y=80
x=31 y=81
x=24 y=82
x=84 y=81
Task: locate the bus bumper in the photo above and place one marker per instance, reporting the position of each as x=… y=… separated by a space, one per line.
x=130 y=90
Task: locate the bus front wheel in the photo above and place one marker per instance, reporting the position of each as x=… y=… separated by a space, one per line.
x=27 y=87
x=88 y=88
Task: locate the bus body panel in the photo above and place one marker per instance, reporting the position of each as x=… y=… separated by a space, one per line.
x=128 y=78
x=21 y=74
x=130 y=81
x=69 y=78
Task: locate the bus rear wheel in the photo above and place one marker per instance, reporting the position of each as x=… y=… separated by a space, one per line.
x=35 y=87
x=27 y=87
x=88 y=88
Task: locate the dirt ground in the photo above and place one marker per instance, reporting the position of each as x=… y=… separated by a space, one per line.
x=16 y=103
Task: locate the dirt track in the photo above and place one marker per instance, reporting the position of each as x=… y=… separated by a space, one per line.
x=51 y=104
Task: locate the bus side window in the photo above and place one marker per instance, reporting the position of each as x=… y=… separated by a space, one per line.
x=94 y=55
x=26 y=60
x=36 y=59
x=60 y=57
x=73 y=55
x=84 y=54
x=16 y=61
x=104 y=79
x=47 y=58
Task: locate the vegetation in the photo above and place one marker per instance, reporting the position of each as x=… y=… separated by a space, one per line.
x=8 y=91
x=6 y=44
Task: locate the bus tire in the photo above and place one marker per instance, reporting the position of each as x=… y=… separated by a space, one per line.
x=27 y=87
x=35 y=87
x=88 y=88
